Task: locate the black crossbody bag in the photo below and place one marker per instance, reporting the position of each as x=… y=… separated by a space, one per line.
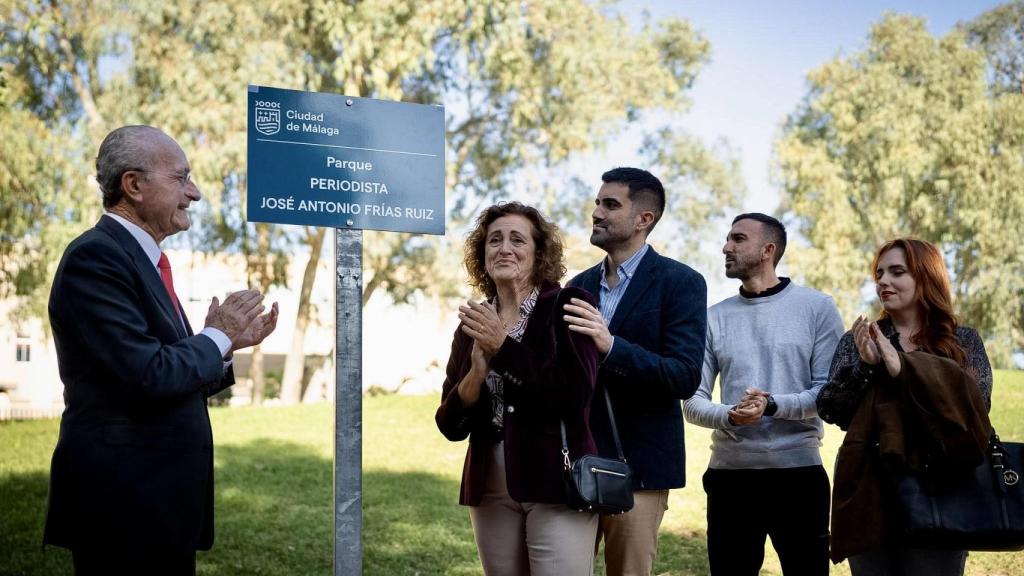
x=593 y=483
x=597 y=484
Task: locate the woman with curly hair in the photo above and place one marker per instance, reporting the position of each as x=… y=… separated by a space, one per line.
x=912 y=390
x=515 y=374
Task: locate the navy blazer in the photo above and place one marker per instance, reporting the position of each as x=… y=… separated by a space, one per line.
x=549 y=376
x=659 y=328
x=133 y=466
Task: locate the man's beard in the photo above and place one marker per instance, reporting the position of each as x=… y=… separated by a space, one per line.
x=601 y=239
x=740 y=270
x=606 y=239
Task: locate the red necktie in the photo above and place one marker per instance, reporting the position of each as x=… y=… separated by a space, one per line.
x=168 y=280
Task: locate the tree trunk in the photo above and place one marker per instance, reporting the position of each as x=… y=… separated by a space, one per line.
x=295 y=363
x=259 y=270
x=374 y=283
x=256 y=375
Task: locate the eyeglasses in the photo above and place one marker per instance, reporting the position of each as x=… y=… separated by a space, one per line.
x=182 y=178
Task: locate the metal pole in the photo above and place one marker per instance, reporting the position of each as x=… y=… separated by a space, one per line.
x=348 y=403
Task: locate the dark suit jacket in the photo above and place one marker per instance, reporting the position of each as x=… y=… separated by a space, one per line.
x=548 y=376
x=659 y=328
x=133 y=467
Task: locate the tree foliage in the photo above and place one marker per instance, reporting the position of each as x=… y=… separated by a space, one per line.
x=907 y=138
x=49 y=97
x=526 y=86
x=999 y=32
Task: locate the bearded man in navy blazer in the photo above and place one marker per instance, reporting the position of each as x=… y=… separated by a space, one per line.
x=131 y=481
x=649 y=326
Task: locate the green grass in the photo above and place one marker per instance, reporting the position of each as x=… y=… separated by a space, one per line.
x=274 y=478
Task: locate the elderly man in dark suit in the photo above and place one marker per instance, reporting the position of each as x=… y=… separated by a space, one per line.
x=650 y=327
x=131 y=481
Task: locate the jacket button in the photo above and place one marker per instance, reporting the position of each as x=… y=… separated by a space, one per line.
x=511 y=409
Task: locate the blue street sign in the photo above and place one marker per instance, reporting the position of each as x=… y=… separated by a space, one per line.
x=331 y=160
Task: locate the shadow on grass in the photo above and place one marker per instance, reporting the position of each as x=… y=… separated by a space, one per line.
x=682 y=555
x=678 y=555
x=413 y=524
x=22 y=515
x=274 y=516
x=273 y=510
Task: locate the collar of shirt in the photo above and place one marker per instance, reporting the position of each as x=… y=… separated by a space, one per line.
x=148 y=244
x=626 y=269
x=152 y=250
x=608 y=300
x=527 y=306
x=783 y=282
x=525 y=309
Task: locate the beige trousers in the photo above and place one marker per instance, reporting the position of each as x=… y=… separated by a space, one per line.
x=631 y=539
x=529 y=539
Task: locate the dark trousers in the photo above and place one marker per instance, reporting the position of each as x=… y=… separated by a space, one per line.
x=133 y=563
x=791 y=505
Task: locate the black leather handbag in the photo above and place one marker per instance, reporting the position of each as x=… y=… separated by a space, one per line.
x=597 y=484
x=982 y=509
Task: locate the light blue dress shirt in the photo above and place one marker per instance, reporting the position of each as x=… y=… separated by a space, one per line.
x=610 y=297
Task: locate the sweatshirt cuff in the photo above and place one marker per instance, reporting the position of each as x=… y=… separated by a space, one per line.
x=720 y=416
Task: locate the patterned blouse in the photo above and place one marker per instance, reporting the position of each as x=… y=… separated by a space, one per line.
x=494 y=382
x=849 y=376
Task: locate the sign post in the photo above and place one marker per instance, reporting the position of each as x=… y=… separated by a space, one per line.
x=348 y=404
x=352 y=164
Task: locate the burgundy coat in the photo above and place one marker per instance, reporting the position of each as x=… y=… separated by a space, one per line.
x=542 y=386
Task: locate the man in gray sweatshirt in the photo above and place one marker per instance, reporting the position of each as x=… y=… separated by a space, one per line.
x=771 y=345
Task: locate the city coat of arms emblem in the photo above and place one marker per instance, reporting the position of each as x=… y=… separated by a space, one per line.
x=268 y=121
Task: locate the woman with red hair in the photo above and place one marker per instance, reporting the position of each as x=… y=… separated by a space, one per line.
x=886 y=381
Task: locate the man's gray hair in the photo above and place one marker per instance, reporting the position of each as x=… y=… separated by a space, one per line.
x=126 y=148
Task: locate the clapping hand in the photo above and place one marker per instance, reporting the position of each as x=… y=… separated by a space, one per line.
x=874 y=347
x=482 y=323
x=234 y=316
x=862 y=337
x=469 y=387
x=889 y=355
x=258 y=329
x=478 y=363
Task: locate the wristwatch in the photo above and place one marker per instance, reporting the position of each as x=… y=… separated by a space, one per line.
x=770 y=407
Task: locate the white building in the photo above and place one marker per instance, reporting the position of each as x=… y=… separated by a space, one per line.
x=405 y=347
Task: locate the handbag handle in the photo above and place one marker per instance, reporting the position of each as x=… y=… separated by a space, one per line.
x=607 y=398
x=615 y=431
x=1003 y=475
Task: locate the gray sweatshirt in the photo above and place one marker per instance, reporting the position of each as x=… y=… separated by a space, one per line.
x=782 y=343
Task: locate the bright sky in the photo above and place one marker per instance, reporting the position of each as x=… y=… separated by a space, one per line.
x=761 y=53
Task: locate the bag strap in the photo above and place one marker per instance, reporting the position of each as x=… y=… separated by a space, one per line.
x=615 y=429
x=1001 y=475
x=607 y=398
x=615 y=433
